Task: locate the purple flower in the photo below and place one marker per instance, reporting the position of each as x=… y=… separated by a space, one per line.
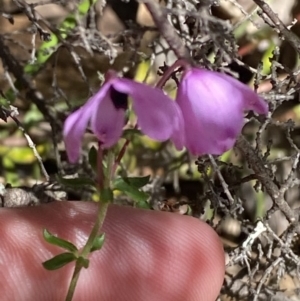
x=158 y=116
x=213 y=106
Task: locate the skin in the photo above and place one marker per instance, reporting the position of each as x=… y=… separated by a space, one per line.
x=147 y=255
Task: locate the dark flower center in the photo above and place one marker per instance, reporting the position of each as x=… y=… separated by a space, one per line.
x=119 y=99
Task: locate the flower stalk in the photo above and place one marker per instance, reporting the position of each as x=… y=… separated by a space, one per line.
x=168 y=73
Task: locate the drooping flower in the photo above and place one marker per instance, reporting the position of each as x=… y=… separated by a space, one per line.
x=157 y=115
x=213 y=106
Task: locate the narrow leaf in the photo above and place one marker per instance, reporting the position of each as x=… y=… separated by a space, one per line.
x=137 y=182
x=59 y=261
x=54 y=240
x=132 y=191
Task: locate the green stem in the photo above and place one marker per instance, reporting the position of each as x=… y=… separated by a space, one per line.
x=74 y=280
x=101 y=214
x=102 y=210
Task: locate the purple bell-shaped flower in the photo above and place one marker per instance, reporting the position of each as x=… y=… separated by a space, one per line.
x=213 y=106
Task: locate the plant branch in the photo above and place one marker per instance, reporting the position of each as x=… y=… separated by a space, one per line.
x=258 y=166
x=279 y=25
x=160 y=19
x=32 y=94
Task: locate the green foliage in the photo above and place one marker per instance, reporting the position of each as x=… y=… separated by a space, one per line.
x=131 y=187
x=137 y=182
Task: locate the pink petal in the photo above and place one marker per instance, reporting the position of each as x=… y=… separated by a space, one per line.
x=74 y=128
x=212 y=108
x=178 y=137
x=251 y=100
x=158 y=116
x=107 y=121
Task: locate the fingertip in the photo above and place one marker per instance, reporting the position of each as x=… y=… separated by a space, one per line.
x=182 y=257
x=147 y=255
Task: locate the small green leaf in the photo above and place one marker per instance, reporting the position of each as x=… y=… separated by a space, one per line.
x=98 y=242
x=137 y=182
x=75 y=181
x=59 y=261
x=54 y=240
x=83 y=262
x=93 y=153
x=106 y=195
x=133 y=192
